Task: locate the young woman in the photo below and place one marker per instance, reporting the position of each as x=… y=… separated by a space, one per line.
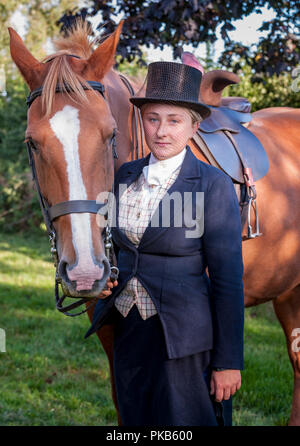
x=178 y=306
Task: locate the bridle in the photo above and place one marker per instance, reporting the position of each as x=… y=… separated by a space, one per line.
x=50 y=213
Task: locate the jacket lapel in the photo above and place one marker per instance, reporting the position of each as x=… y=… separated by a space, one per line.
x=132 y=173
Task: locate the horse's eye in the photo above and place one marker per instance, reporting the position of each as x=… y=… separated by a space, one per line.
x=33 y=145
x=113 y=135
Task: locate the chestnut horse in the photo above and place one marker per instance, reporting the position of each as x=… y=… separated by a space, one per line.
x=71 y=133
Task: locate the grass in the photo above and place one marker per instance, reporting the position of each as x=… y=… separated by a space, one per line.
x=267 y=381
x=51 y=376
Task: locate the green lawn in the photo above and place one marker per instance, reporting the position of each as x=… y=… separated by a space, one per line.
x=50 y=375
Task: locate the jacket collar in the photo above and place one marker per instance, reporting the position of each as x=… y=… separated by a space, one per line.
x=189 y=168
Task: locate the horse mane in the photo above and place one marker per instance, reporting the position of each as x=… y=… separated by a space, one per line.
x=76 y=42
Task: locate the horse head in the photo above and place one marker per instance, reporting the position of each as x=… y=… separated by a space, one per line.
x=71 y=132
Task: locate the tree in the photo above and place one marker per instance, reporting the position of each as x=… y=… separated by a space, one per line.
x=264 y=91
x=176 y=22
x=40 y=17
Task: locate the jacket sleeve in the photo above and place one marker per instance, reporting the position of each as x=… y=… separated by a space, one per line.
x=223 y=252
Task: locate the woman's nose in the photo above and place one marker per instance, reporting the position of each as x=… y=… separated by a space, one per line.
x=161 y=130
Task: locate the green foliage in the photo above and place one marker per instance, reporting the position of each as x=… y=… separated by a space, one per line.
x=264 y=92
x=178 y=22
x=131 y=69
x=40 y=18
x=19 y=206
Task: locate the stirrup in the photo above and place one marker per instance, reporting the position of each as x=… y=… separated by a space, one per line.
x=251 y=234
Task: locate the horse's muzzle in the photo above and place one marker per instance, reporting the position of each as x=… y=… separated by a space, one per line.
x=82 y=283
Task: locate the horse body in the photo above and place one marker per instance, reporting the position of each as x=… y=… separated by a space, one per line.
x=74 y=155
x=272 y=261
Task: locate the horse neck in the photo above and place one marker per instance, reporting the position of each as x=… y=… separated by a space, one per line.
x=121 y=109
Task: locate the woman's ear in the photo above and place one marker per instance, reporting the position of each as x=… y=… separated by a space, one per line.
x=195 y=127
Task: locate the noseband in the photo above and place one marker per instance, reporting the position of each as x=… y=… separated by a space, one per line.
x=50 y=213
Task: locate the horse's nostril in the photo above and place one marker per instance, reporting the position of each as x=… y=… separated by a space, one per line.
x=62 y=270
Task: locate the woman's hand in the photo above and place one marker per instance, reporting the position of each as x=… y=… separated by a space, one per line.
x=224 y=383
x=107 y=291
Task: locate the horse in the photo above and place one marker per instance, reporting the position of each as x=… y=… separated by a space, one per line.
x=71 y=132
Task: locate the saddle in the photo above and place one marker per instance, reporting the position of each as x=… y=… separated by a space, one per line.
x=227 y=144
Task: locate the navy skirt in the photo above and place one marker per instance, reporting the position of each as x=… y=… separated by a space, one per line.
x=153 y=390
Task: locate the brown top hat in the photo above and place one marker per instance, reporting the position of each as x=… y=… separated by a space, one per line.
x=173 y=82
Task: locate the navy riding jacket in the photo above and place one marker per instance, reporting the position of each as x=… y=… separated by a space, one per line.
x=198 y=311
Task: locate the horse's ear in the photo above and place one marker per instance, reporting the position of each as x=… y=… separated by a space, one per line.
x=31 y=69
x=103 y=58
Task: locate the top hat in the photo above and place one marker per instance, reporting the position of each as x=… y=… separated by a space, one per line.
x=175 y=82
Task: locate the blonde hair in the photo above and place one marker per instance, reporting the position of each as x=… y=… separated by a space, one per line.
x=196 y=117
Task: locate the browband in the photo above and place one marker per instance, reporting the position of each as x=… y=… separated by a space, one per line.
x=36 y=93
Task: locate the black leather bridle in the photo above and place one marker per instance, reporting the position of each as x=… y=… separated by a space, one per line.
x=50 y=213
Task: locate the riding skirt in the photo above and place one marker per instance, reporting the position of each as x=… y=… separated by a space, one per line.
x=153 y=390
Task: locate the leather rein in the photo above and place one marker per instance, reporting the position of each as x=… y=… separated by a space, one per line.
x=50 y=213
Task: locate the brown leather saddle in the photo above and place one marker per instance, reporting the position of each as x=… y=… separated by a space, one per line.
x=228 y=141
x=227 y=144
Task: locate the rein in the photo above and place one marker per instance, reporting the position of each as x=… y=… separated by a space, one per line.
x=50 y=213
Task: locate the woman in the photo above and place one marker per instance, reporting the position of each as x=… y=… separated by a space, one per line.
x=178 y=344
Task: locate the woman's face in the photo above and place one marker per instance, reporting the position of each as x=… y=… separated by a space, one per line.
x=167 y=129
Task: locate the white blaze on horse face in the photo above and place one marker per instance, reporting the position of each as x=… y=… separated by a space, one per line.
x=66 y=127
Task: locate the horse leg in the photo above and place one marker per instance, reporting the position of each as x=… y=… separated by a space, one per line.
x=106 y=337
x=287 y=309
